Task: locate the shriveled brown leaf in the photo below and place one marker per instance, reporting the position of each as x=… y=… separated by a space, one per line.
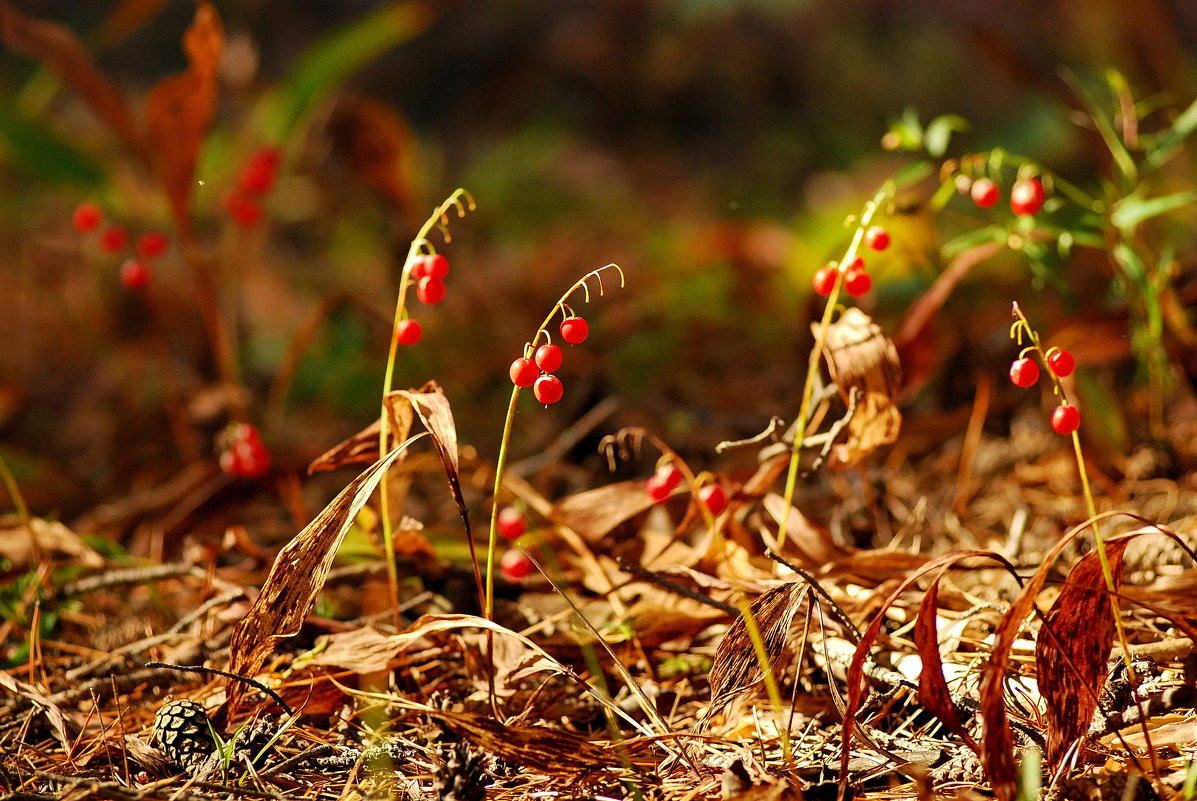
x=18 y=540
x=180 y=108
x=297 y=576
x=861 y=357
x=62 y=51
x=812 y=542
x=594 y=513
x=377 y=143
x=1073 y=649
x=933 y=689
x=42 y=703
x=362 y=447
x=735 y=668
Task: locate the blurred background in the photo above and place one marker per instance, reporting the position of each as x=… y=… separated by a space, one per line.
x=711 y=148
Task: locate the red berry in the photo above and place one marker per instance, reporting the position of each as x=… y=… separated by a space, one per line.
x=661 y=484
x=430 y=290
x=152 y=244
x=548 y=358
x=1066 y=419
x=857 y=283
x=985 y=193
x=135 y=275
x=824 y=281
x=419 y=267
x=511 y=523
x=243 y=211
x=1061 y=362
x=523 y=372
x=713 y=497
x=1026 y=196
x=243 y=455
x=408 y=332
x=259 y=173
x=113 y=239
x=876 y=238
x=574 y=330
x=86 y=218
x=1024 y=372
x=515 y=566
x=548 y=389
x=438 y=266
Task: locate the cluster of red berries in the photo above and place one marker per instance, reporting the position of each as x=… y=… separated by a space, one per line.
x=514 y=564
x=135 y=272
x=661 y=484
x=242 y=453
x=1024 y=372
x=857 y=281
x=537 y=372
x=256 y=178
x=428 y=271
x=1026 y=196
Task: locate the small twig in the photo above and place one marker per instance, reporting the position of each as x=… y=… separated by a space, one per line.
x=315 y=752
x=837 y=611
x=677 y=588
x=130 y=575
x=243 y=679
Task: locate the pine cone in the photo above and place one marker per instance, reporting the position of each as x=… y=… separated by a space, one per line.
x=182 y=731
x=463 y=776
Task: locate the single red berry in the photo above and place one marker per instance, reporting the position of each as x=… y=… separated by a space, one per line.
x=548 y=389
x=113 y=239
x=523 y=373
x=548 y=358
x=259 y=173
x=713 y=497
x=1061 y=362
x=1026 y=196
x=438 y=266
x=244 y=211
x=876 y=238
x=152 y=244
x=430 y=290
x=574 y=330
x=419 y=267
x=824 y=281
x=86 y=218
x=661 y=484
x=242 y=453
x=515 y=566
x=135 y=274
x=1024 y=372
x=985 y=193
x=857 y=283
x=408 y=332
x=511 y=523
x=1066 y=419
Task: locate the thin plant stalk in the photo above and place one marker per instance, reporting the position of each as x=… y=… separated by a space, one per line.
x=461 y=200
x=812 y=365
x=509 y=422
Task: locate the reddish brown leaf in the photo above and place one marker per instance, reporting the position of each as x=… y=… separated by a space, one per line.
x=1073 y=648
x=933 y=689
x=377 y=143
x=179 y=110
x=595 y=512
x=297 y=576
x=62 y=51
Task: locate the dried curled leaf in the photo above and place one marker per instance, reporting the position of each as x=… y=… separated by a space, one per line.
x=861 y=357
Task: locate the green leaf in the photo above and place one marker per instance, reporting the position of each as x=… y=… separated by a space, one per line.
x=323 y=67
x=939 y=133
x=1169 y=140
x=991 y=233
x=1131 y=211
x=36 y=150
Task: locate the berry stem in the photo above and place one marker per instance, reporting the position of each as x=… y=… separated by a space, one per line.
x=461 y=200
x=812 y=365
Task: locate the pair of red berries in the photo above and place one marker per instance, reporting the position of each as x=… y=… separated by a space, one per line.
x=242 y=452
x=537 y=372
x=1024 y=372
x=661 y=484
x=428 y=271
x=857 y=282
x=135 y=273
x=1026 y=196
x=256 y=178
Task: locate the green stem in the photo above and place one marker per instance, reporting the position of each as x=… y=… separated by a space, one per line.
x=500 y=465
x=14 y=491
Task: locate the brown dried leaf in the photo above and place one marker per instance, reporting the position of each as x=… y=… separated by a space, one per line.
x=1073 y=649
x=860 y=356
x=377 y=143
x=537 y=748
x=594 y=513
x=362 y=447
x=180 y=108
x=735 y=668
x=62 y=51
x=297 y=576
x=813 y=543
x=933 y=689
x=17 y=541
